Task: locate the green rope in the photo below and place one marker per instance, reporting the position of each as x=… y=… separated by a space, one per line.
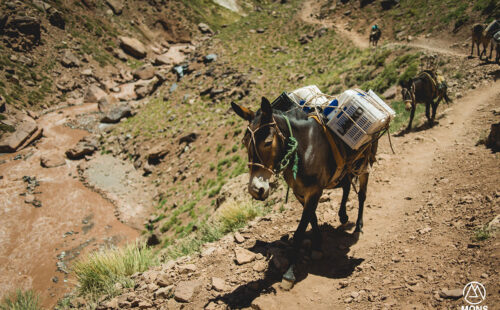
x=292 y=151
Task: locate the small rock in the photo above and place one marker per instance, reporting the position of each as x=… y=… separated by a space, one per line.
x=189 y=268
x=163 y=280
x=29 y=198
x=451 y=294
x=238 y=237
x=185 y=290
x=260 y=266
x=219 y=284
x=424 y=230
x=204 y=28
x=51 y=161
x=70 y=60
x=145 y=304
x=243 y=256
x=164 y=292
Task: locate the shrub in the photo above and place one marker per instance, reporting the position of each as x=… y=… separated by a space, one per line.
x=98 y=273
x=27 y=300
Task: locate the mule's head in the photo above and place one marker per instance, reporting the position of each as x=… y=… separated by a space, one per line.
x=406 y=94
x=263 y=144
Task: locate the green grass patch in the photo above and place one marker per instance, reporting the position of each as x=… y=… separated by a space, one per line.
x=482 y=233
x=229 y=219
x=98 y=273
x=21 y=300
x=403 y=117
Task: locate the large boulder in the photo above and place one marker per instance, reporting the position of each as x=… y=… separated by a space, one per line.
x=133 y=47
x=28 y=25
x=145 y=72
x=24 y=129
x=94 y=94
x=84 y=147
x=116 y=114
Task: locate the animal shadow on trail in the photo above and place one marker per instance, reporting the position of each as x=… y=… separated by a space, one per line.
x=424 y=126
x=495 y=74
x=334 y=264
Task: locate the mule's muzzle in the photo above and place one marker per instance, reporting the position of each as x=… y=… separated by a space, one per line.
x=408 y=105
x=259 y=188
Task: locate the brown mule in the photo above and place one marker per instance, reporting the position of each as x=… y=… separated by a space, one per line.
x=267 y=141
x=424 y=89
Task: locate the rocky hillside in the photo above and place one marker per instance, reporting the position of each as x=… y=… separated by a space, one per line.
x=147 y=86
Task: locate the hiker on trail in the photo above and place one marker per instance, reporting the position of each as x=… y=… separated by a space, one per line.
x=375 y=35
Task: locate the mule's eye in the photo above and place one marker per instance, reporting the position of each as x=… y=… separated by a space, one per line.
x=268 y=141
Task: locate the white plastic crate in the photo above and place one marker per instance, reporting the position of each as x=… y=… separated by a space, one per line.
x=309 y=95
x=359 y=116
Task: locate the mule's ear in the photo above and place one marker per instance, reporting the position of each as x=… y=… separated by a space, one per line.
x=243 y=112
x=265 y=106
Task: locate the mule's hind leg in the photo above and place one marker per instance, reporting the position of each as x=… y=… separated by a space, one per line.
x=363 y=185
x=427 y=112
x=346 y=187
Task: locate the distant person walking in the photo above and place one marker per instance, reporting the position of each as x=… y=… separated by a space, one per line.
x=375 y=35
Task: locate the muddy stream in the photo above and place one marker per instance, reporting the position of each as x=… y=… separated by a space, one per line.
x=62 y=220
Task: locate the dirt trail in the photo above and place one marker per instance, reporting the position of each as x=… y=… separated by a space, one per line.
x=309 y=14
x=423 y=207
x=72 y=219
x=403 y=254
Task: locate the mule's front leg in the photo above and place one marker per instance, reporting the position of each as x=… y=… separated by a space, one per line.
x=310 y=204
x=363 y=186
x=434 y=109
x=412 y=114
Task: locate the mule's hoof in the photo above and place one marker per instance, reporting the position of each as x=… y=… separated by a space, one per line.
x=343 y=219
x=286 y=285
x=316 y=255
x=289 y=275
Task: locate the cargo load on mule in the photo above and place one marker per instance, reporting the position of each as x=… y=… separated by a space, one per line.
x=492 y=28
x=356 y=117
x=353 y=122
